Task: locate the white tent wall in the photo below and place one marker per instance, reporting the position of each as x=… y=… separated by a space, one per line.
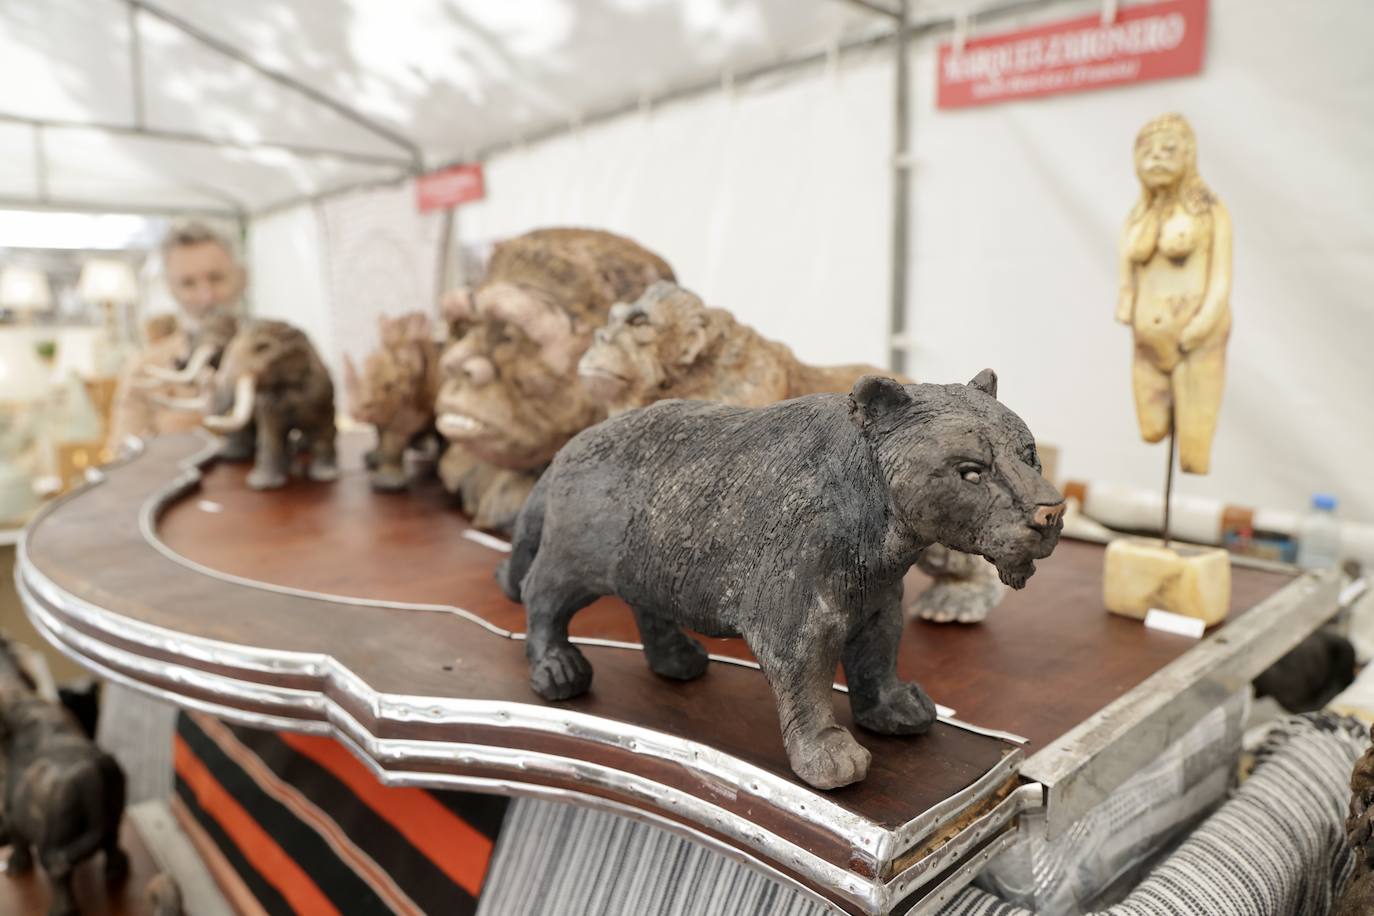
x=332 y=268
x=772 y=202
x=382 y=258
x=286 y=277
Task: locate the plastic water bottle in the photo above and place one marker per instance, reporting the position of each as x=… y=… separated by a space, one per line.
x=1319 y=535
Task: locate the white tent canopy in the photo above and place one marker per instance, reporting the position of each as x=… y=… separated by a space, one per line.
x=237 y=107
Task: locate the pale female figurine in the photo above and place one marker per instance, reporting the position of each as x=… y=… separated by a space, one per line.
x=1175 y=292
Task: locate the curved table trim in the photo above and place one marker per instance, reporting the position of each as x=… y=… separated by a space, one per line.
x=226 y=679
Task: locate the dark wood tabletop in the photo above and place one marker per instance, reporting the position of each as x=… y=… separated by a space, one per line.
x=1054 y=634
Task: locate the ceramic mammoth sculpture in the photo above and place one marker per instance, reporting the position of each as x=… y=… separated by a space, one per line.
x=668 y=344
x=395 y=392
x=269 y=384
x=510 y=395
x=791 y=525
x=64 y=797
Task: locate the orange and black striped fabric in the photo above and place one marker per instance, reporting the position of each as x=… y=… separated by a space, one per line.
x=295 y=824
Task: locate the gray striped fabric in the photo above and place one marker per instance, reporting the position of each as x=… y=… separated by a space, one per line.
x=558 y=860
x=1277 y=848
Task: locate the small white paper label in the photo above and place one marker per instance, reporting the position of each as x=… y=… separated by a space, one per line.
x=486 y=540
x=1169 y=622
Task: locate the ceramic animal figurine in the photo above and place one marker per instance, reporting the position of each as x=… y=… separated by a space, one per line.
x=395 y=392
x=64 y=797
x=269 y=384
x=668 y=344
x=510 y=394
x=790 y=525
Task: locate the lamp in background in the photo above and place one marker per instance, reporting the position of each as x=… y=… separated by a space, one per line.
x=24 y=379
x=24 y=290
x=107 y=280
x=111 y=285
x=24 y=387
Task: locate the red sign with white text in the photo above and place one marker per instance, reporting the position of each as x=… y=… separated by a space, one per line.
x=1147 y=42
x=458 y=184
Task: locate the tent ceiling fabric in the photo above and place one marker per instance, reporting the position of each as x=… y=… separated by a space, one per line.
x=451 y=76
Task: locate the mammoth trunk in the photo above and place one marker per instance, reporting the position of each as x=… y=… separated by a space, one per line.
x=240 y=413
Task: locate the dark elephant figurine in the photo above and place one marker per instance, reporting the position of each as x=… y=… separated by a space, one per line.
x=269 y=384
x=64 y=797
x=791 y=525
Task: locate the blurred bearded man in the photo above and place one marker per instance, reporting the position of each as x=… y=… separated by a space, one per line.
x=204 y=277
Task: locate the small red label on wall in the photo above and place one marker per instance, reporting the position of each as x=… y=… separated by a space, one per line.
x=458 y=184
x=1147 y=42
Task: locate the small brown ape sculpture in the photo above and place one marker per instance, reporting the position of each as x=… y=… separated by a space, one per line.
x=668 y=344
x=395 y=393
x=510 y=396
x=64 y=797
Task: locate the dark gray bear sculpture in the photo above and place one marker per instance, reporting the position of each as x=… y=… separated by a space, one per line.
x=790 y=525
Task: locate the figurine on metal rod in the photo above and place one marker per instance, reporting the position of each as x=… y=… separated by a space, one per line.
x=1175 y=266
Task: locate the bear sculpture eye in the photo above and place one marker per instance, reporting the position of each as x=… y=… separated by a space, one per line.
x=971 y=473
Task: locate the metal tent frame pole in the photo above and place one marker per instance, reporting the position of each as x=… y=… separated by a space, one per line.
x=897 y=342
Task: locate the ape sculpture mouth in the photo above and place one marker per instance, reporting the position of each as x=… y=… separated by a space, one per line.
x=603 y=377
x=459 y=426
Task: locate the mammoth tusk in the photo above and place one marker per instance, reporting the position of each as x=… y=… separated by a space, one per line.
x=198 y=405
x=184 y=376
x=245 y=393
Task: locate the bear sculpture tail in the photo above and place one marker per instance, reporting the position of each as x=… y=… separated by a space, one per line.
x=529 y=528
